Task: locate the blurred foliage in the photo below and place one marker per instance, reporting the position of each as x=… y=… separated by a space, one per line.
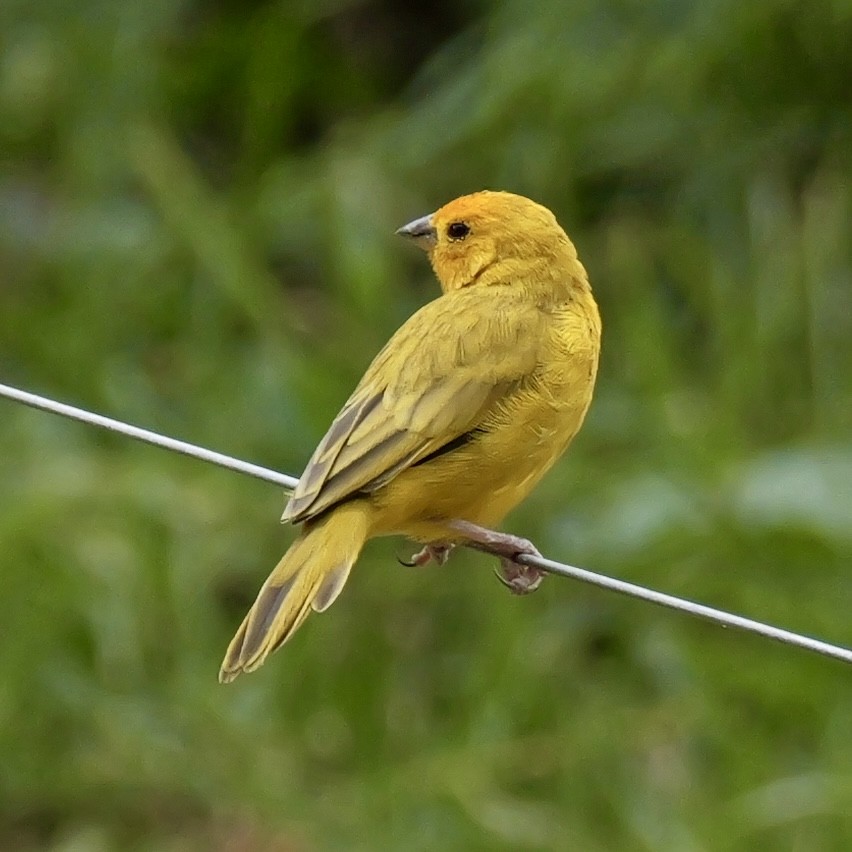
x=197 y=205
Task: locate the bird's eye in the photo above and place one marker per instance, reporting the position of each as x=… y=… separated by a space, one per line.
x=457 y=230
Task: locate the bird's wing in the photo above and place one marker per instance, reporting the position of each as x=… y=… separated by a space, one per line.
x=434 y=381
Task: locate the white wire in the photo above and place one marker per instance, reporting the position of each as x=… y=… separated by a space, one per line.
x=725 y=619
x=149 y=437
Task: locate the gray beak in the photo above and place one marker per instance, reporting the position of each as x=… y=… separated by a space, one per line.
x=421 y=230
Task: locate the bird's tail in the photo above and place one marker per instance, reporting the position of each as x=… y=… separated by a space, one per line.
x=309 y=576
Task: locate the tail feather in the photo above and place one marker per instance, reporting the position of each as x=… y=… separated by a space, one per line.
x=331 y=587
x=309 y=576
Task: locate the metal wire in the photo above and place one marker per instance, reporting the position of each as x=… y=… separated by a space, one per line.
x=725 y=619
x=149 y=437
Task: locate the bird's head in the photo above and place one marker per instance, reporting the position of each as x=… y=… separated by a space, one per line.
x=487 y=236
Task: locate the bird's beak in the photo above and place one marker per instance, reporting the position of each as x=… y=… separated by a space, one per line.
x=422 y=231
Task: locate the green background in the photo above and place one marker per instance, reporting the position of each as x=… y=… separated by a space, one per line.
x=197 y=206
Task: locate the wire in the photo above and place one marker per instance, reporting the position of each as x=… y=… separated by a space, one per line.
x=40 y=402
x=725 y=619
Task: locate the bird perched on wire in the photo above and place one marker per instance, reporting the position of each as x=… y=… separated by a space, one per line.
x=454 y=422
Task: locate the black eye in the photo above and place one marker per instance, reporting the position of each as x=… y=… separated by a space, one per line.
x=457 y=230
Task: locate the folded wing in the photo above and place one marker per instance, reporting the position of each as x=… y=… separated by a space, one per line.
x=437 y=379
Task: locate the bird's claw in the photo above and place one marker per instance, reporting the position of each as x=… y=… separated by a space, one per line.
x=517 y=578
x=438 y=553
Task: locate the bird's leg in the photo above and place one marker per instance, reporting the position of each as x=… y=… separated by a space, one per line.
x=518 y=578
x=435 y=552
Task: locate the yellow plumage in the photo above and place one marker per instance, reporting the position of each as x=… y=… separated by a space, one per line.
x=457 y=418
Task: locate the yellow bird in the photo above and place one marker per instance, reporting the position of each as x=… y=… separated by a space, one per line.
x=456 y=419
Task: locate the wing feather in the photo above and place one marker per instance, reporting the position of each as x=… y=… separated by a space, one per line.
x=418 y=395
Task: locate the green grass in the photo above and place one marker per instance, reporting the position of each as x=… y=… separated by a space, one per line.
x=197 y=204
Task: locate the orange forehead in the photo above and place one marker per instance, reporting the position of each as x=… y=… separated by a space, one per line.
x=475 y=204
x=489 y=205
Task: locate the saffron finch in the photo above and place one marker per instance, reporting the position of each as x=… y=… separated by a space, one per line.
x=455 y=421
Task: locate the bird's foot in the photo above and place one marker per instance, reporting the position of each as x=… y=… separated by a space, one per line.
x=435 y=552
x=519 y=578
